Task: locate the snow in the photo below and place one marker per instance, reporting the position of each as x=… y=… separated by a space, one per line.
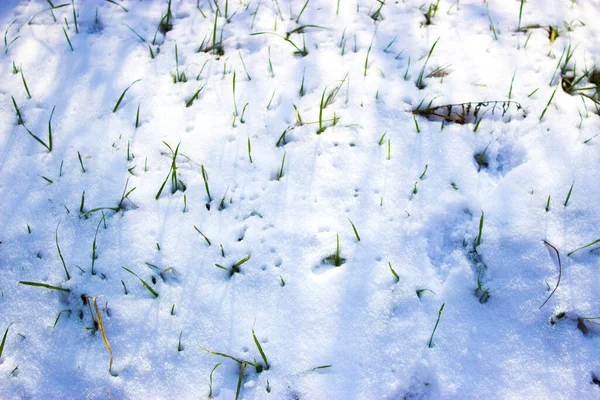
x=371 y=330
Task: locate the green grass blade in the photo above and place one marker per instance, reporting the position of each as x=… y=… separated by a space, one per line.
x=68 y=40
x=117 y=4
x=436 y=325
x=394 y=272
x=50 y=129
x=260 y=350
x=25 y=84
x=584 y=247
x=143 y=282
x=62 y=260
x=210 y=380
x=43 y=285
x=355 y=231
x=203 y=235
x=214 y=353
x=123 y=95
x=240 y=378
x=569 y=194
x=4 y=340
x=480 y=228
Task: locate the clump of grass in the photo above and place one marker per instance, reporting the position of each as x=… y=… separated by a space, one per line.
x=178 y=77
x=463 y=113
x=336 y=259
x=176 y=183
x=152 y=291
x=481 y=160
x=431 y=11
x=235 y=268
x=377 y=16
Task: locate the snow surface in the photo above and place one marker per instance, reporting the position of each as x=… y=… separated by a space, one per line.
x=371 y=329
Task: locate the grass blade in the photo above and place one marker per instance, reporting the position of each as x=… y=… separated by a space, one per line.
x=43 y=285
x=214 y=353
x=123 y=95
x=143 y=282
x=240 y=378
x=68 y=40
x=569 y=194
x=480 y=228
x=559 y=273
x=210 y=380
x=436 y=325
x=4 y=340
x=103 y=332
x=50 y=129
x=62 y=260
x=25 y=84
x=355 y=231
x=260 y=350
x=583 y=247
x=394 y=272
x=203 y=235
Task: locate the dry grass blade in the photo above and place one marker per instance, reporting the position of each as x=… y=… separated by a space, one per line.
x=463 y=113
x=559 y=272
x=103 y=332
